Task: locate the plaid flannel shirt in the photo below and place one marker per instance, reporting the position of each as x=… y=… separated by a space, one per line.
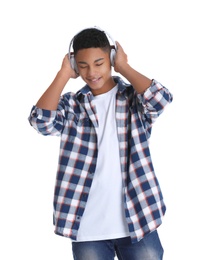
x=75 y=121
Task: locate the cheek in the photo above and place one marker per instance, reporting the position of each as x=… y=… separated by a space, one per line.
x=106 y=68
x=83 y=77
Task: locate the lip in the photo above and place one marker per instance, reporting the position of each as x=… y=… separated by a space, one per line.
x=94 y=80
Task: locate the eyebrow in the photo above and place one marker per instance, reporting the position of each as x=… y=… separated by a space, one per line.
x=83 y=62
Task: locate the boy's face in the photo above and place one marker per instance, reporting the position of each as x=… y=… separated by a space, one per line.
x=95 y=69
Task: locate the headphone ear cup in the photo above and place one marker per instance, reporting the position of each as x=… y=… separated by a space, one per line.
x=73 y=63
x=112 y=56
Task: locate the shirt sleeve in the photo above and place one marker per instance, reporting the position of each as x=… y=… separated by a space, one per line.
x=50 y=122
x=46 y=122
x=154 y=100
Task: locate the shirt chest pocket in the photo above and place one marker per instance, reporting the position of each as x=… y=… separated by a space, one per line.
x=77 y=124
x=83 y=124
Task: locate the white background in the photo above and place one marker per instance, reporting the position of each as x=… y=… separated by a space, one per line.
x=171 y=41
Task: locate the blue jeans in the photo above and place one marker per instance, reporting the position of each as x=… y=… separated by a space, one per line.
x=149 y=248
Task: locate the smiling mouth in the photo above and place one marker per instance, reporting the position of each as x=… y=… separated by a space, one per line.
x=94 y=80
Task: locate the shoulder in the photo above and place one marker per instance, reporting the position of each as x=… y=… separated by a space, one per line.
x=123 y=86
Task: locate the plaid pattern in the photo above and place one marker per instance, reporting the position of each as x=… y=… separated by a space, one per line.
x=75 y=121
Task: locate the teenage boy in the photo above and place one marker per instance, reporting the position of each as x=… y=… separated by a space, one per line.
x=107 y=197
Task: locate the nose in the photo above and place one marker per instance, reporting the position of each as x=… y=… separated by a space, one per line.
x=91 y=71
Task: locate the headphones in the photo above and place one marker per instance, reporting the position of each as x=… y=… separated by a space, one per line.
x=112 y=53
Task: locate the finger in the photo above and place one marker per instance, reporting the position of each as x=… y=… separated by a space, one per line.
x=118 y=46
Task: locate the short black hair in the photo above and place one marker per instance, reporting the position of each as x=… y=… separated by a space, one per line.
x=91 y=38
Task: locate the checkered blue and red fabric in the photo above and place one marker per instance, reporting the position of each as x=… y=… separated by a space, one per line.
x=75 y=121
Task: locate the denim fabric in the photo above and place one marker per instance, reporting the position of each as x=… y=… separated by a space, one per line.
x=149 y=248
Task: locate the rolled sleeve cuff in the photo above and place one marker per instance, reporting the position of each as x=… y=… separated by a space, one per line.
x=43 y=114
x=150 y=91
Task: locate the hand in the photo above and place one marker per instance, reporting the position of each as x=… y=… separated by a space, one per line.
x=121 y=60
x=66 y=67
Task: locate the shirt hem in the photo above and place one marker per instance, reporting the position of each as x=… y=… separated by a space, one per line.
x=102 y=237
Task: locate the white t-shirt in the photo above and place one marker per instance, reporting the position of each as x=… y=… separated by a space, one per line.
x=103 y=217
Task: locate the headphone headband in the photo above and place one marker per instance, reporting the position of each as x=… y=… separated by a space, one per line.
x=97 y=28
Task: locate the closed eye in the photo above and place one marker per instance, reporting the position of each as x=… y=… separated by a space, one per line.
x=83 y=67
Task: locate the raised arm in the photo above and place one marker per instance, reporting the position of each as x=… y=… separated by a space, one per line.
x=138 y=81
x=50 y=98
